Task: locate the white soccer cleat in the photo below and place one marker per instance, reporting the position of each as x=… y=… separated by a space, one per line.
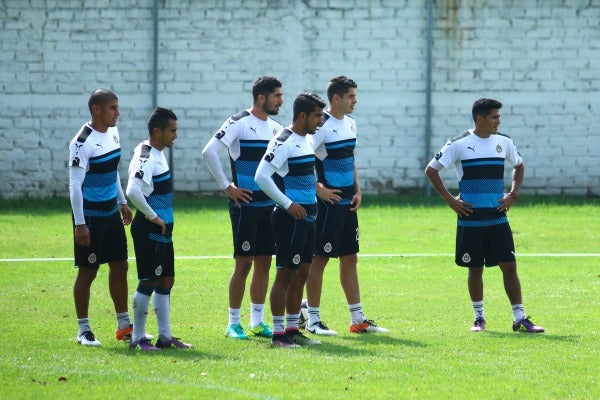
x=87 y=338
x=319 y=328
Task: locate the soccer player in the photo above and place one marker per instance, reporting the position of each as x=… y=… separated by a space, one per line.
x=290 y=158
x=339 y=199
x=483 y=235
x=150 y=189
x=99 y=212
x=246 y=135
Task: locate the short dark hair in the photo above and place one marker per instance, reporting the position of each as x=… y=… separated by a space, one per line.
x=160 y=118
x=101 y=97
x=484 y=107
x=307 y=103
x=340 y=86
x=265 y=85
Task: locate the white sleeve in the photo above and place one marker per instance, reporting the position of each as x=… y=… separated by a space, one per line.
x=120 y=195
x=211 y=156
x=264 y=179
x=76 y=177
x=136 y=195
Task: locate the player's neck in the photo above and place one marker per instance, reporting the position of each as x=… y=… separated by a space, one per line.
x=483 y=135
x=102 y=128
x=335 y=113
x=259 y=113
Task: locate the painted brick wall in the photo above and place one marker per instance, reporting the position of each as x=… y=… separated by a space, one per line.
x=540 y=58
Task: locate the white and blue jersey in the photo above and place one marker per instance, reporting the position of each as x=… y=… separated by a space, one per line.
x=150 y=165
x=293 y=158
x=479 y=164
x=98 y=154
x=334 y=143
x=247 y=137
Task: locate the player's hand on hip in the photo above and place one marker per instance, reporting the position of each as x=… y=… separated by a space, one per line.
x=296 y=211
x=82 y=235
x=356 y=202
x=461 y=208
x=126 y=214
x=238 y=194
x=159 y=221
x=328 y=195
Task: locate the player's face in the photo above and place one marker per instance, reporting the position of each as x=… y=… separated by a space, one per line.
x=313 y=120
x=169 y=134
x=107 y=114
x=273 y=102
x=348 y=101
x=490 y=123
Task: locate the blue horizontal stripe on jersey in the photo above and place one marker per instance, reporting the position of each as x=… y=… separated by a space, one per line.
x=100 y=187
x=480 y=223
x=247 y=182
x=160 y=178
x=254 y=143
x=106 y=157
x=303 y=159
x=478 y=162
x=100 y=213
x=341 y=144
x=301 y=195
x=339 y=179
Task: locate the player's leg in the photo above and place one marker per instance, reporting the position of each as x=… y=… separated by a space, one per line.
x=470 y=249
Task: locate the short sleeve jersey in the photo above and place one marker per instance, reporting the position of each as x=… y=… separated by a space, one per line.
x=334 y=143
x=150 y=165
x=247 y=137
x=479 y=164
x=99 y=154
x=293 y=158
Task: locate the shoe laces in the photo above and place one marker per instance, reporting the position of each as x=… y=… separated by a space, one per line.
x=89 y=335
x=370 y=322
x=321 y=325
x=237 y=328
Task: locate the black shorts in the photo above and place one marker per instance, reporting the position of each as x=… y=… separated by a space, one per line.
x=108 y=242
x=154 y=256
x=485 y=245
x=251 y=227
x=337 y=230
x=295 y=239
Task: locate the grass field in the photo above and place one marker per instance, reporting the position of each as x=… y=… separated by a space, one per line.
x=409 y=285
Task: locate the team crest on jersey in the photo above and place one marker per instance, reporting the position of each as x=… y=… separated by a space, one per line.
x=327 y=247
x=158 y=270
x=498 y=148
x=466 y=258
x=296 y=259
x=92 y=258
x=116 y=139
x=246 y=246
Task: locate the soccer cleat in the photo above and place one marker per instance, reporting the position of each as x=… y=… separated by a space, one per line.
x=299 y=338
x=125 y=333
x=236 y=331
x=87 y=338
x=478 y=325
x=525 y=325
x=282 y=341
x=126 y=337
x=319 y=328
x=144 y=344
x=367 y=326
x=174 y=342
x=261 y=330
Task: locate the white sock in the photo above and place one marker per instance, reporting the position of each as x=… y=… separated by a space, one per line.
x=518 y=312
x=314 y=315
x=292 y=321
x=256 y=314
x=234 y=316
x=84 y=325
x=356 y=313
x=141 y=303
x=162 y=308
x=478 y=309
x=123 y=320
x=278 y=324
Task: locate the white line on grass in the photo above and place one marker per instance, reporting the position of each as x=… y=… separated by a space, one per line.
x=390 y=255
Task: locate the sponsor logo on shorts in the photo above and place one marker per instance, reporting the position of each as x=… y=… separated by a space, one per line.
x=246 y=246
x=466 y=258
x=296 y=259
x=327 y=247
x=92 y=258
x=158 y=270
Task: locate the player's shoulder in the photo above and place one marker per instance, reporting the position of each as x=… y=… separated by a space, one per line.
x=284 y=136
x=460 y=137
x=504 y=135
x=83 y=134
x=239 y=116
x=145 y=150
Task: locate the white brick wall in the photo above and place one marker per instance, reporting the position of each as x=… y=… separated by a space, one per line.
x=542 y=62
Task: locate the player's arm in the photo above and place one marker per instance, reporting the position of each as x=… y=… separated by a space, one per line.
x=357 y=198
x=126 y=214
x=460 y=207
x=135 y=193
x=76 y=177
x=210 y=153
x=510 y=198
x=264 y=180
x=329 y=195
